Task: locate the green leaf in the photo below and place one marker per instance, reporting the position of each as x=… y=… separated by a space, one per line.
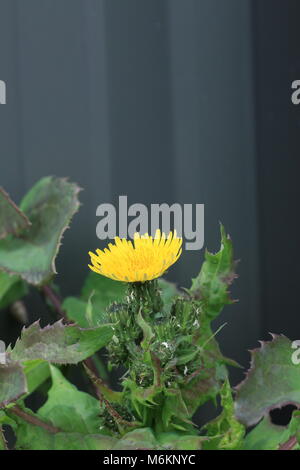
x=168 y=292
x=59 y=343
x=217 y=273
x=205 y=383
x=148 y=334
x=266 y=436
x=226 y=431
x=31 y=437
x=272 y=381
x=70 y=409
x=49 y=205
x=3 y=444
x=76 y=311
x=175 y=413
x=12 y=219
x=12 y=288
x=294 y=425
x=12 y=382
x=74 y=413
x=139 y=439
x=36 y=372
x=175 y=441
x=105 y=291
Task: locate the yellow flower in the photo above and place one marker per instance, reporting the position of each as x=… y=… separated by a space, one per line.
x=142 y=260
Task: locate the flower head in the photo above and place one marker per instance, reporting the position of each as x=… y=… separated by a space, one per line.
x=144 y=259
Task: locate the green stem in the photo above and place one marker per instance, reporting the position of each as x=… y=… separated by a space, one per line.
x=289 y=444
x=3 y=443
x=145 y=296
x=57 y=304
x=16 y=410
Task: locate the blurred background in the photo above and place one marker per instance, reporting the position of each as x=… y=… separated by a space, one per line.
x=182 y=101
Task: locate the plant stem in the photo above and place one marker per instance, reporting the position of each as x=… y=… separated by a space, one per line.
x=114 y=414
x=289 y=444
x=57 y=304
x=16 y=410
x=55 y=300
x=2 y=439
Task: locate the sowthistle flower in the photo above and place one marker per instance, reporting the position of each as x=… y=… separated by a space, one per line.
x=144 y=259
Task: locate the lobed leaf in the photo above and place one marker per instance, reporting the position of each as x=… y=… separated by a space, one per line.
x=12 y=382
x=49 y=205
x=226 y=432
x=70 y=409
x=217 y=273
x=12 y=219
x=272 y=381
x=59 y=343
x=12 y=288
x=266 y=436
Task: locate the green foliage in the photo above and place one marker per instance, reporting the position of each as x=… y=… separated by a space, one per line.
x=3 y=444
x=49 y=206
x=59 y=343
x=12 y=219
x=162 y=336
x=272 y=381
x=101 y=292
x=217 y=273
x=68 y=408
x=225 y=432
x=266 y=436
x=12 y=288
x=12 y=382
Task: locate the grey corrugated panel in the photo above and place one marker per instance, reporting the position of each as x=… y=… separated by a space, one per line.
x=139 y=100
x=60 y=97
x=214 y=144
x=11 y=164
x=152 y=99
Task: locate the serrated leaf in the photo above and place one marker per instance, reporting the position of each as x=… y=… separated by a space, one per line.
x=49 y=205
x=70 y=409
x=59 y=343
x=226 y=431
x=12 y=382
x=12 y=288
x=12 y=219
x=272 y=381
x=205 y=383
x=175 y=413
x=217 y=273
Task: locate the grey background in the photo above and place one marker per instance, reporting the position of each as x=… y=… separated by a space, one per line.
x=158 y=100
